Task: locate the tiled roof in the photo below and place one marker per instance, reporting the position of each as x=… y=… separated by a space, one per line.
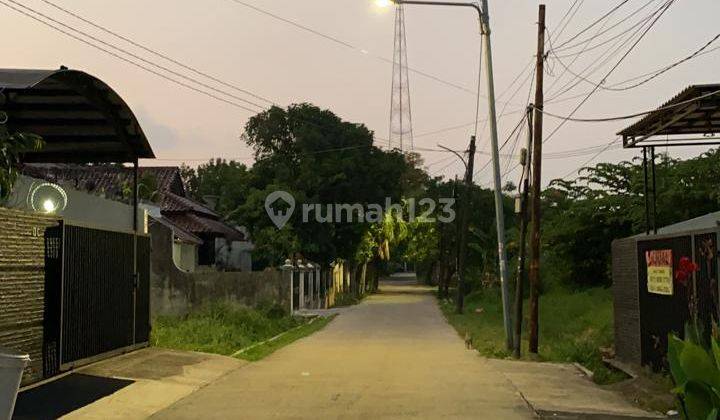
x=173 y=203
x=186 y=214
x=198 y=225
x=178 y=231
x=106 y=179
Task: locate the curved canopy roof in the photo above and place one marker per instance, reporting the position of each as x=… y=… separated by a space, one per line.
x=80 y=118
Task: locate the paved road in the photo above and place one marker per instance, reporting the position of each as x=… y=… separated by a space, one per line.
x=393 y=356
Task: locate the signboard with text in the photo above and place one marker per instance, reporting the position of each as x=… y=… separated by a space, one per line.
x=659 y=271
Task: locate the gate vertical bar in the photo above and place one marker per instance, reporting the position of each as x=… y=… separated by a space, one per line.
x=135 y=246
x=645 y=192
x=654 y=190
x=62 y=292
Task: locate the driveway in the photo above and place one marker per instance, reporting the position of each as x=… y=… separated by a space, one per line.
x=392 y=356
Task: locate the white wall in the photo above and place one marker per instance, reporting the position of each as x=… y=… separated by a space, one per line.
x=185 y=256
x=81 y=207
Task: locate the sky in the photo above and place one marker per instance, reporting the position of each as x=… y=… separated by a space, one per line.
x=236 y=43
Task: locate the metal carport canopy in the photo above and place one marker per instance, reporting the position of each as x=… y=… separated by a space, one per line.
x=80 y=118
x=691 y=118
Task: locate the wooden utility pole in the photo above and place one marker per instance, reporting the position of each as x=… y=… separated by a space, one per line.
x=466 y=197
x=536 y=185
x=521 y=273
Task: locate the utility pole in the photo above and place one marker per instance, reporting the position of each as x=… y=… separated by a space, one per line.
x=525 y=187
x=536 y=187
x=483 y=15
x=499 y=207
x=466 y=197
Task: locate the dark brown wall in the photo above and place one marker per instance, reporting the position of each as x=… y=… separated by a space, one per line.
x=626 y=300
x=22 y=285
x=175 y=292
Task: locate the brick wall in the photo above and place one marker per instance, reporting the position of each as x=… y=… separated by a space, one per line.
x=626 y=300
x=22 y=285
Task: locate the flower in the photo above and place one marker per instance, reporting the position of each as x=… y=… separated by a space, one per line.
x=685 y=270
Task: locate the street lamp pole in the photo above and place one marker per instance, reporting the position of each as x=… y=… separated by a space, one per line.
x=499 y=213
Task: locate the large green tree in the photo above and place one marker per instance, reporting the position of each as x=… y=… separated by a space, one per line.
x=319 y=159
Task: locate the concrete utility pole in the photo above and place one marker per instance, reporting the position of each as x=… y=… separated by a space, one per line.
x=483 y=14
x=536 y=187
x=525 y=187
x=499 y=207
x=466 y=198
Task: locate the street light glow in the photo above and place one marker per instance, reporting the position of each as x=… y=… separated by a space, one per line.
x=49 y=206
x=383 y=3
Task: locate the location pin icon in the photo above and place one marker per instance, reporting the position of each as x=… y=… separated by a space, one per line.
x=279 y=217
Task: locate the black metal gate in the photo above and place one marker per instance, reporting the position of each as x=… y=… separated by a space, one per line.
x=53 y=290
x=96 y=303
x=663 y=314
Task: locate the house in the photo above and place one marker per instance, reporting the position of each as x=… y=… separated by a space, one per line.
x=74 y=267
x=201 y=238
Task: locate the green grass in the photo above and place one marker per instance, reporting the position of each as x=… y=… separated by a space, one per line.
x=573 y=327
x=221 y=328
x=266 y=349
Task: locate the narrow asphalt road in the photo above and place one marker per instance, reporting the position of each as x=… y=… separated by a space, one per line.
x=393 y=356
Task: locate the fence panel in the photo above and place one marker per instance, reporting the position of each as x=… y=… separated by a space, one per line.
x=661 y=314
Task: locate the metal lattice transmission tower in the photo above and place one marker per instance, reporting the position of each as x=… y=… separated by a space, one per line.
x=401 y=132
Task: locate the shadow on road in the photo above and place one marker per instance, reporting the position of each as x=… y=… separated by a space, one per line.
x=57 y=398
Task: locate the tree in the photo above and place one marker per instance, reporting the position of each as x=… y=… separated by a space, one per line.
x=584 y=216
x=225 y=181
x=12 y=147
x=319 y=159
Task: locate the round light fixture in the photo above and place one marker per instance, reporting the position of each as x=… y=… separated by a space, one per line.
x=47 y=198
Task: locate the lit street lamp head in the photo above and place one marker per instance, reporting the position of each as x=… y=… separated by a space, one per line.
x=384 y=3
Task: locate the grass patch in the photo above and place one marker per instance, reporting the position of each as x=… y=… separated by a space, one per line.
x=573 y=327
x=266 y=349
x=221 y=328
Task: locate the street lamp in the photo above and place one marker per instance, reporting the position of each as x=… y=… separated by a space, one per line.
x=462 y=226
x=484 y=18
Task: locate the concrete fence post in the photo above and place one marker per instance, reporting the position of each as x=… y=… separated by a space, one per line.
x=301 y=304
x=311 y=286
x=318 y=281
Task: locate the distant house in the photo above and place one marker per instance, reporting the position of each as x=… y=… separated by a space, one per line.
x=201 y=237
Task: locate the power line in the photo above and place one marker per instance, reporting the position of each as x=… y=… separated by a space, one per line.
x=600 y=19
x=604 y=58
x=631 y=79
x=653 y=76
x=627 y=53
x=567 y=13
x=178 y=82
x=591 y=159
x=604 y=30
x=155 y=52
x=348 y=45
x=629 y=116
x=503 y=145
x=124 y=51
